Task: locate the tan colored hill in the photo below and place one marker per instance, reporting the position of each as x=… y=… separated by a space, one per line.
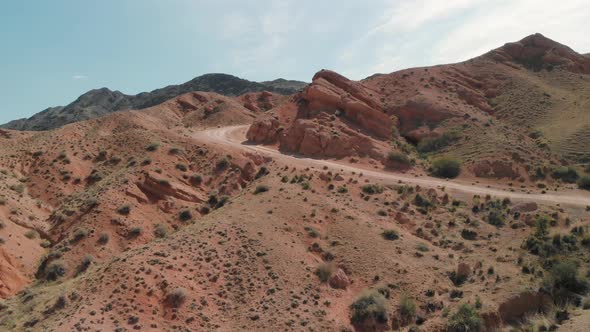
x=499 y=113
x=152 y=220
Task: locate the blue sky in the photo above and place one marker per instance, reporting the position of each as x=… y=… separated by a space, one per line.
x=53 y=51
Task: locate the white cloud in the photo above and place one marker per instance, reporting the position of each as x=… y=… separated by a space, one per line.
x=430 y=32
x=79 y=77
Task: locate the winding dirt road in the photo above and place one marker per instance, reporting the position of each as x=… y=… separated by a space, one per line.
x=235 y=137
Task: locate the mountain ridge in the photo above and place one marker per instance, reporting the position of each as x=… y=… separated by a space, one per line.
x=102 y=101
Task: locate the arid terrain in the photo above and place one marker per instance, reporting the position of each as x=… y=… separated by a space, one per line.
x=446 y=198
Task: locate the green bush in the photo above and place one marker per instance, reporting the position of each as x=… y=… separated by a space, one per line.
x=566 y=174
x=431 y=144
x=465 y=319
x=398 y=158
x=496 y=218
x=369 y=306
x=584 y=182
x=565 y=280
x=446 y=167
x=407 y=308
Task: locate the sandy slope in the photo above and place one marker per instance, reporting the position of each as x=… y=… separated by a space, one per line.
x=235 y=136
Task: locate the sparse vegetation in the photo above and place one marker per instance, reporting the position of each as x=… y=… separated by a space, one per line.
x=584 y=182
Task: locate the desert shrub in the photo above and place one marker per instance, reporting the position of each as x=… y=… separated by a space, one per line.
x=369 y=306
x=160 y=231
x=465 y=319
x=446 y=167
x=87 y=260
x=566 y=174
x=31 y=234
x=371 y=189
x=396 y=157
x=222 y=164
x=324 y=271
x=431 y=144
x=79 y=234
x=407 y=308
x=152 y=147
x=496 y=218
x=262 y=172
x=124 y=210
x=176 y=297
x=2 y=201
x=390 y=234
x=185 y=215
x=584 y=182
x=260 y=189
x=175 y=151
x=565 y=282
x=422 y=247
x=181 y=167
x=306 y=185
x=103 y=238
x=196 y=179
x=342 y=190
x=135 y=232
x=55 y=270
x=422 y=202
x=468 y=234
x=312 y=232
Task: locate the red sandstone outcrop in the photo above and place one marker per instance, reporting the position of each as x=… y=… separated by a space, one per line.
x=264 y=130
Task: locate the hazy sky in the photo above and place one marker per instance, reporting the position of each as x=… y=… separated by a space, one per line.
x=53 y=51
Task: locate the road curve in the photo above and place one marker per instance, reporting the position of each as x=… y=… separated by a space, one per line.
x=234 y=136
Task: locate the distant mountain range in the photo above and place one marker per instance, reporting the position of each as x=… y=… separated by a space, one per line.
x=98 y=102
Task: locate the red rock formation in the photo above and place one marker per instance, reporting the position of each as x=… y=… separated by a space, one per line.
x=264 y=130
x=332 y=92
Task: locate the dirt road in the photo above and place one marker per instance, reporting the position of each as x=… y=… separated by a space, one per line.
x=235 y=137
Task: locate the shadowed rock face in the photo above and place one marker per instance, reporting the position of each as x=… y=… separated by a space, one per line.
x=99 y=102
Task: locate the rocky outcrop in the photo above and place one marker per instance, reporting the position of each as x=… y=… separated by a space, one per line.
x=417 y=117
x=317 y=139
x=265 y=130
x=339 y=280
x=156 y=188
x=515 y=308
x=334 y=93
